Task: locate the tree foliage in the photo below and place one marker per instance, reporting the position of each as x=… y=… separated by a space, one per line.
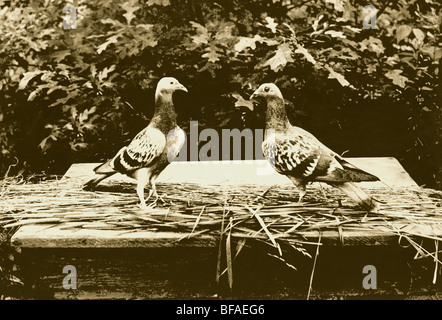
x=72 y=95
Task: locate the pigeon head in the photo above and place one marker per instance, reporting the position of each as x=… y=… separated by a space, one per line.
x=267 y=91
x=169 y=85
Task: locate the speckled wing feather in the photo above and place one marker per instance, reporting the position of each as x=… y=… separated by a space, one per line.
x=304 y=158
x=291 y=155
x=340 y=170
x=147 y=145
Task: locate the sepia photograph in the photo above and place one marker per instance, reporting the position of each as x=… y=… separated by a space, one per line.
x=245 y=152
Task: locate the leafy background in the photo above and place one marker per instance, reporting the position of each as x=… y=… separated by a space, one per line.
x=77 y=95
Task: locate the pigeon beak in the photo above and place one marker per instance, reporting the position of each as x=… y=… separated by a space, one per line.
x=181 y=88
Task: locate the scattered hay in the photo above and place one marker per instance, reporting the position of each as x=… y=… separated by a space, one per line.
x=229 y=213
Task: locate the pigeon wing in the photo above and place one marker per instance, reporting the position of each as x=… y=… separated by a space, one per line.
x=304 y=158
x=294 y=156
x=144 y=149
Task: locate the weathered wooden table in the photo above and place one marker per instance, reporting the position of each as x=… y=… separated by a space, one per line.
x=154 y=265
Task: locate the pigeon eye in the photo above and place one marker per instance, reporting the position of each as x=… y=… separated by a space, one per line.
x=171 y=82
x=266 y=89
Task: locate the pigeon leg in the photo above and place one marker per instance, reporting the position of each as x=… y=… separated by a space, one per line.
x=153 y=191
x=323 y=191
x=142 y=180
x=301 y=187
x=301 y=195
x=158 y=197
x=140 y=192
x=150 y=195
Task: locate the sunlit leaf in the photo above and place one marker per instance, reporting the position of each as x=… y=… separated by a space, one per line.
x=419 y=34
x=306 y=54
x=211 y=55
x=58 y=56
x=224 y=31
x=315 y=24
x=110 y=40
x=338 y=4
x=282 y=56
x=397 y=78
x=356 y=30
x=435 y=53
x=241 y=102
x=44 y=145
x=28 y=76
x=298 y=13
x=130 y=7
x=271 y=24
x=335 y=34
x=147 y=27
x=373 y=44
x=245 y=42
x=335 y=75
x=104 y=73
x=158 y=2
x=33 y=94
x=403 y=32
x=202 y=36
x=113 y=22
x=270 y=42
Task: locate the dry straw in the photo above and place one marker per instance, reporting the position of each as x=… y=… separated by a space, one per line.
x=232 y=214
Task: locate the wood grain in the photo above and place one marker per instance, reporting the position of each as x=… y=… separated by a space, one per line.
x=165 y=265
x=189 y=273
x=225 y=173
x=254 y=172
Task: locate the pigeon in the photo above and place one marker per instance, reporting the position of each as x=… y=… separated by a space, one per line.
x=297 y=154
x=152 y=149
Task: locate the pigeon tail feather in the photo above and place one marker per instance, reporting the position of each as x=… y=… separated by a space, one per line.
x=91 y=184
x=104 y=168
x=357 y=173
x=357 y=195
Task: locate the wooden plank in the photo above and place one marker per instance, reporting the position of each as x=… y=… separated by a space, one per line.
x=189 y=273
x=372 y=237
x=132 y=273
x=203 y=173
x=43 y=236
x=156 y=265
x=252 y=172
